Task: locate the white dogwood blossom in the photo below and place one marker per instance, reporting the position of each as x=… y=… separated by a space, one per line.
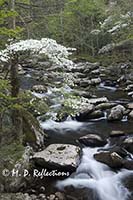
x=55 y=52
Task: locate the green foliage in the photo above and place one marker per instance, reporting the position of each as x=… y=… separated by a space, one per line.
x=6 y=17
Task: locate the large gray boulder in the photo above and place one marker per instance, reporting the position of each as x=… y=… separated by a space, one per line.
x=84 y=113
x=116 y=113
x=58 y=156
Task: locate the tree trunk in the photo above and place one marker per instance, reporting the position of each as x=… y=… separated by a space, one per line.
x=14 y=77
x=13 y=18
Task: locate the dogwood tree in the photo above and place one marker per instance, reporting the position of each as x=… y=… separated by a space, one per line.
x=55 y=52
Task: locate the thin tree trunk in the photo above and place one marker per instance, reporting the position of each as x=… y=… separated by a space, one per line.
x=14 y=77
x=12 y=20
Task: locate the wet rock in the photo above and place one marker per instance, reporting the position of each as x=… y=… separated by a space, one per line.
x=129 y=88
x=83 y=94
x=130 y=94
x=95 y=72
x=95 y=81
x=52 y=197
x=85 y=83
x=116 y=133
x=128 y=183
x=96 y=114
x=130 y=116
x=83 y=115
x=130 y=106
x=39 y=88
x=110 y=83
x=80 y=75
x=60 y=196
x=104 y=106
x=116 y=113
x=113 y=160
x=58 y=156
x=119 y=150
x=128 y=164
x=92 y=140
x=42 y=197
x=128 y=144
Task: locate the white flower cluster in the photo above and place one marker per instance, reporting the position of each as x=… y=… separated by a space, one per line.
x=77 y=103
x=56 y=53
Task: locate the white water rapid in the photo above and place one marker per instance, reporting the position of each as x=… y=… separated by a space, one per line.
x=99 y=177
x=62 y=126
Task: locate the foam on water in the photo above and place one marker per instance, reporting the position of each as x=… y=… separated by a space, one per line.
x=107 y=87
x=64 y=126
x=99 y=177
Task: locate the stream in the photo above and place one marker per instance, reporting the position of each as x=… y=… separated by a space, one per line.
x=92 y=179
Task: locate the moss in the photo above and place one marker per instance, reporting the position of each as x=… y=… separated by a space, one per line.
x=12 y=151
x=9 y=155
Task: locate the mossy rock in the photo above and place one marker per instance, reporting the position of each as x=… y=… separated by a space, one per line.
x=33 y=134
x=9 y=156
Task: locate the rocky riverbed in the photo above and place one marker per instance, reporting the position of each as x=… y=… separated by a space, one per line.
x=86 y=114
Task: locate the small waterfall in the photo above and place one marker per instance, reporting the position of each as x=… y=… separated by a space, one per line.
x=99 y=177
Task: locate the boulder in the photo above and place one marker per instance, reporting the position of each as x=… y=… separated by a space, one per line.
x=95 y=81
x=92 y=140
x=116 y=113
x=96 y=114
x=130 y=116
x=119 y=150
x=60 y=196
x=129 y=88
x=117 y=133
x=130 y=94
x=128 y=164
x=104 y=106
x=85 y=83
x=58 y=156
x=128 y=144
x=130 y=106
x=95 y=72
x=113 y=159
x=83 y=115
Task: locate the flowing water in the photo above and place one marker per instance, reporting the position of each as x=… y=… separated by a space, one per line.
x=98 y=180
x=98 y=177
